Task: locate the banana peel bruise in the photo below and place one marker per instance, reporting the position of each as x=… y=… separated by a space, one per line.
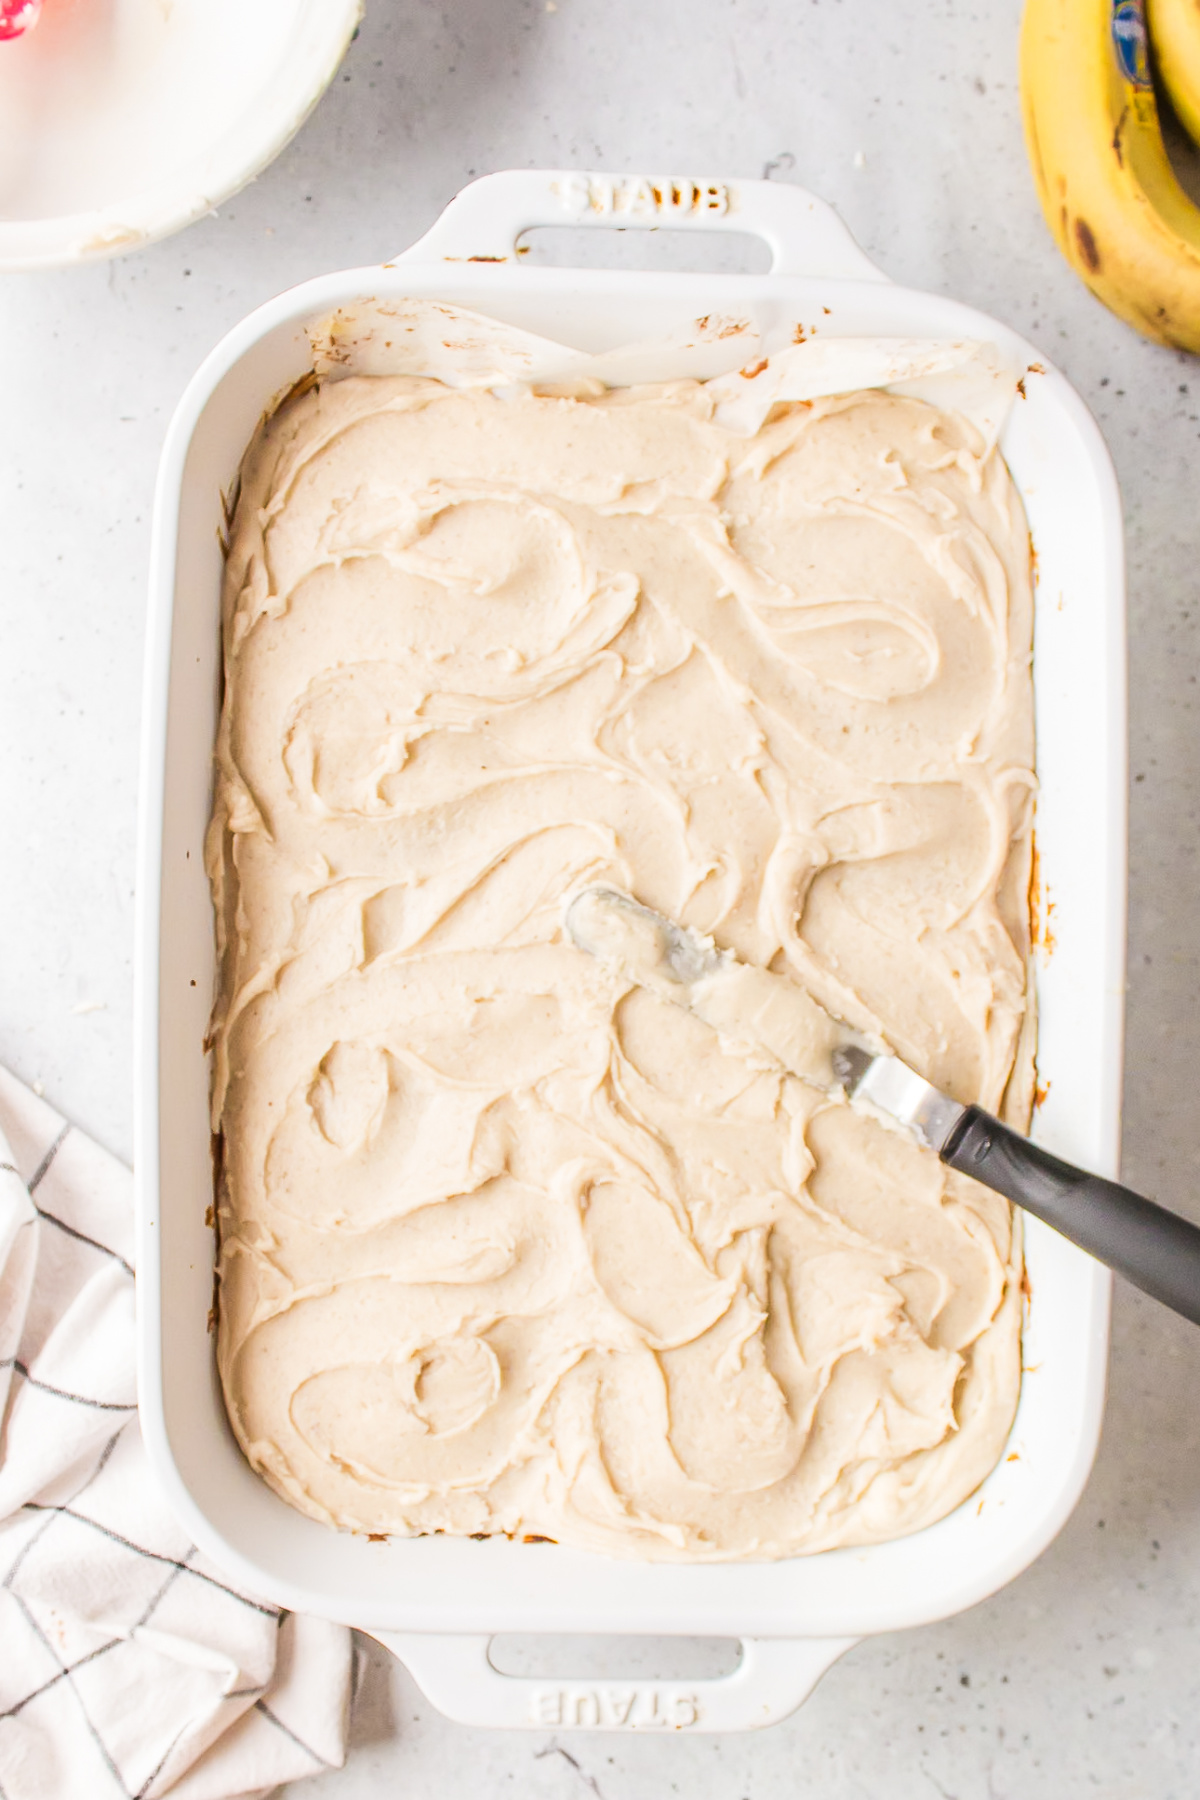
x=1106 y=185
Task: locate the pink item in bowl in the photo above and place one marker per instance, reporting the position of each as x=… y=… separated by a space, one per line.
x=18 y=16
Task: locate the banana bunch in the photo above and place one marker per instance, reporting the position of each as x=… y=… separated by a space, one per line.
x=1107 y=188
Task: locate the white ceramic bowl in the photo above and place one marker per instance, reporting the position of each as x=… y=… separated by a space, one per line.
x=123 y=120
x=435 y=1600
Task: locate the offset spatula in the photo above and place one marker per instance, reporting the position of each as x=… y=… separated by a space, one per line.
x=1155 y=1249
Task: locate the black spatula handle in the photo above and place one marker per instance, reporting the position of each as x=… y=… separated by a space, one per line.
x=1155 y=1249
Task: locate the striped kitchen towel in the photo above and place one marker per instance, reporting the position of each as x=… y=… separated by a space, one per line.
x=129 y=1665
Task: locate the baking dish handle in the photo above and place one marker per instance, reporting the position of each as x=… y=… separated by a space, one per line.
x=453 y=1671
x=485 y=220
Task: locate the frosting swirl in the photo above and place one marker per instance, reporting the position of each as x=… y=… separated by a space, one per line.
x=507 y=1244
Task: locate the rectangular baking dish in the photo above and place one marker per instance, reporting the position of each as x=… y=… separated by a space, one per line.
x=436 y=1600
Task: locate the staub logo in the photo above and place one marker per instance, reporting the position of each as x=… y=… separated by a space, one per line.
x=641 y=196
x=634 y=1708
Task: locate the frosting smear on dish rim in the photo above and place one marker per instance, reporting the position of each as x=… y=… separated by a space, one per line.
x=509 y=1244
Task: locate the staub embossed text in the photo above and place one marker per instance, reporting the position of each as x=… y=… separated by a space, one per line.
x=642 y=196
x=634 y=1708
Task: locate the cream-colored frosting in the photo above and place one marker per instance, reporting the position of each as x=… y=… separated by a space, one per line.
x=764 y=1014
x=508 y=1243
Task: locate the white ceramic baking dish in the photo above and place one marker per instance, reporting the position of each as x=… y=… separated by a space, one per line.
x=436 y=1601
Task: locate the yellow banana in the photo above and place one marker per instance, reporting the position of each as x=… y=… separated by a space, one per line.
x=1175 y=34
x=1108 y=191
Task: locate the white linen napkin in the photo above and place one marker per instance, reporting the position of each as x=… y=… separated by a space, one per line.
x=130 y=1667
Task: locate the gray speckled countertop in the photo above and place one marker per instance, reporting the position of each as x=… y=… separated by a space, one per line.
x=1080 y=1677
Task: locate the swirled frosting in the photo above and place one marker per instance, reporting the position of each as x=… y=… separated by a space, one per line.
x=508 y=1244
